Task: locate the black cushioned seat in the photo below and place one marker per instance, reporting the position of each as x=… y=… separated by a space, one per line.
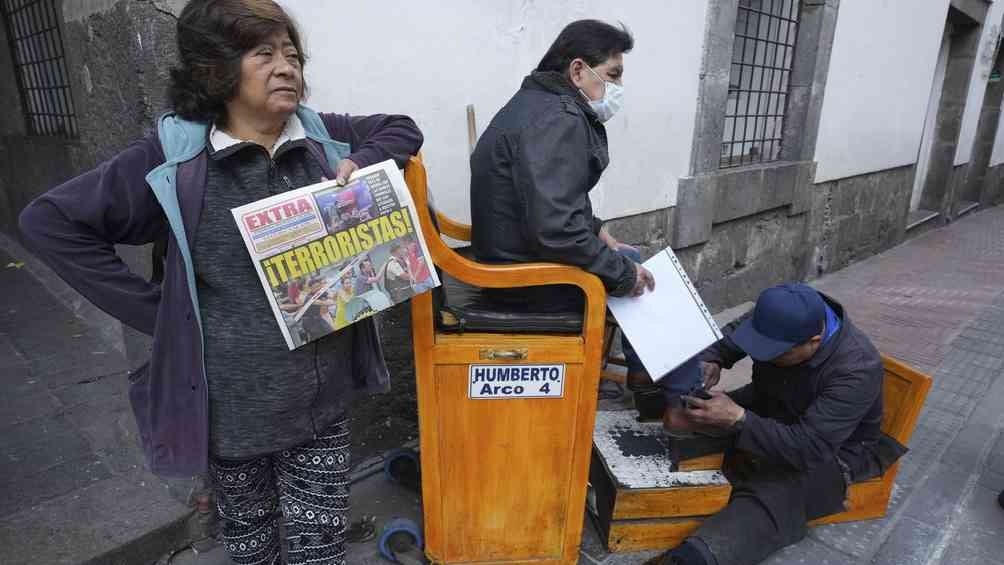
x=465 y=308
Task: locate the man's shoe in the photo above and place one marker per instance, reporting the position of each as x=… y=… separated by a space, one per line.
x=1000 y=499
x=676 y=423
x=650 y=404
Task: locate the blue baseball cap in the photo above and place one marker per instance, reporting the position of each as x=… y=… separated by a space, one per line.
x=784 y=316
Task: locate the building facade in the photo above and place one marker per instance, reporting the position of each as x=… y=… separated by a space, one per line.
x=764 y=140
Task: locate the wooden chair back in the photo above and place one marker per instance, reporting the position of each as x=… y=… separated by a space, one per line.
x=903 y=392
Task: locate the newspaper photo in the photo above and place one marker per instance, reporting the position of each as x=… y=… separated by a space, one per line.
x=330 y=255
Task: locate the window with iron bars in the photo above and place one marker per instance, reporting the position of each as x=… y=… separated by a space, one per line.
x=762 y=56
x=36 y=45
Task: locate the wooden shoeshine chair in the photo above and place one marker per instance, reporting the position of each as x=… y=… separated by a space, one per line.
x=633 y=519
x=503 y=480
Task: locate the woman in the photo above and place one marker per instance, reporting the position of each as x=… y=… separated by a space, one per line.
x=221 y=390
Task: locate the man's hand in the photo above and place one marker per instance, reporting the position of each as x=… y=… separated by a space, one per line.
x=719 y=411
x=644 y=280
x=612 y=242
x=608 y=239
x=712 y=373
x=345 y=169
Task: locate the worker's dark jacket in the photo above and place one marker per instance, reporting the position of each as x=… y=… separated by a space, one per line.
x=531 y=174
x=830 y=405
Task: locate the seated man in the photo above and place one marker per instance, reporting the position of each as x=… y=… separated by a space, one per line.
x=804 y=429
x=535 y=164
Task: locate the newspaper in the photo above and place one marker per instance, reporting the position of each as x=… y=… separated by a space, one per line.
x=643 y=318
x=329 y=255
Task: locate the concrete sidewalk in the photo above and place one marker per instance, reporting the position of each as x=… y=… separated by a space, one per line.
x=937 y=303
x=74 y=489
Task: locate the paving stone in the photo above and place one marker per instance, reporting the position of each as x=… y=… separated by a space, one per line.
x=810 y=552
x=858 y=538
x=17 y=408
x=995 y=462
x=910 y=543
x=926 y=446
x=32 y=447
x=59 y=370
x=992 y=480
x=20 y=381
x=935 y=500
x=29 y=491
x=981 y=524
x=9 y=356
x=960 y=553
x=87 y=523
x=113 y=387
x=950 y=401
x=633 y=558
x=967 y=447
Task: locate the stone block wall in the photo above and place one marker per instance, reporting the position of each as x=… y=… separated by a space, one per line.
x=118 y=55
x=993 y=188
x=856 y=217
x=815 y=229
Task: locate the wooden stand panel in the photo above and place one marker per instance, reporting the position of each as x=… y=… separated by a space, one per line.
x=503 y=480
x=507 y=464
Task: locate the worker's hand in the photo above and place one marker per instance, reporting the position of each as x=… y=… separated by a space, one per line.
x=712 y=373
x=613 y=243
x=644 y=280
x=608 y=239
x=345 y=169
x=718 y=411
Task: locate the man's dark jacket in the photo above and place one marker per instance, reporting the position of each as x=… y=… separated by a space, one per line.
x=830 y=405
x=531 y=174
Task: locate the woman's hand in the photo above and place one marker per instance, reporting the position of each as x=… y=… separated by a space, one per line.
x=345 y=169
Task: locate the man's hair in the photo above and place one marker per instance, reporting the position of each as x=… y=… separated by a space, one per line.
x=213 y=36
x=592 y=41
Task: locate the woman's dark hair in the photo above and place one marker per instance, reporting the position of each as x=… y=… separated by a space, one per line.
x=592 y=41
x=213 y=36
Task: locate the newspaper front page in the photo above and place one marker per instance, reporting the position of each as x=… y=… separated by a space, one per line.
x=330 y=255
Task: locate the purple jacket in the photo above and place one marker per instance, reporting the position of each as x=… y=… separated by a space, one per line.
x=152 y=190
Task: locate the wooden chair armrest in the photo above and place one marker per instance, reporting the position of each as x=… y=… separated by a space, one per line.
x=513 y=275
x=452 y=228
x=498 y=276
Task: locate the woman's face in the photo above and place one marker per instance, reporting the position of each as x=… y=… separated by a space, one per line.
x=271 y=78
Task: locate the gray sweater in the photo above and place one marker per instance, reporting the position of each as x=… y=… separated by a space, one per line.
x=262 y=397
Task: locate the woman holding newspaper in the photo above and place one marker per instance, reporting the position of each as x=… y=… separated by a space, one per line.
x=222 y=393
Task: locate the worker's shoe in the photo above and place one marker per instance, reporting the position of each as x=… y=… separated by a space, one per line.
x=648 y=398
x=650 y=404
x=1000 y=499
x=676 y=423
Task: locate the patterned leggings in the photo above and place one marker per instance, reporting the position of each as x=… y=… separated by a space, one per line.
x=311 y=485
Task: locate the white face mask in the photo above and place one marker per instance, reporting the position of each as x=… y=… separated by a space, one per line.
x=612 y=101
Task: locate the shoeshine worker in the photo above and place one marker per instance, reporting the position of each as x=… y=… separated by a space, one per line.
x=805 y=428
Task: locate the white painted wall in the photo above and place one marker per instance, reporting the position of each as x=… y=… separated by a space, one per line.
x=430 y=59
x=878 y=85
x=978 y=82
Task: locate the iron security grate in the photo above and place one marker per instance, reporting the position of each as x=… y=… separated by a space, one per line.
x=36 y=45
x=759 y=82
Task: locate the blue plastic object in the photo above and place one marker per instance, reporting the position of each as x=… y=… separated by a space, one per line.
x=392 y=457
x=397 y=531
